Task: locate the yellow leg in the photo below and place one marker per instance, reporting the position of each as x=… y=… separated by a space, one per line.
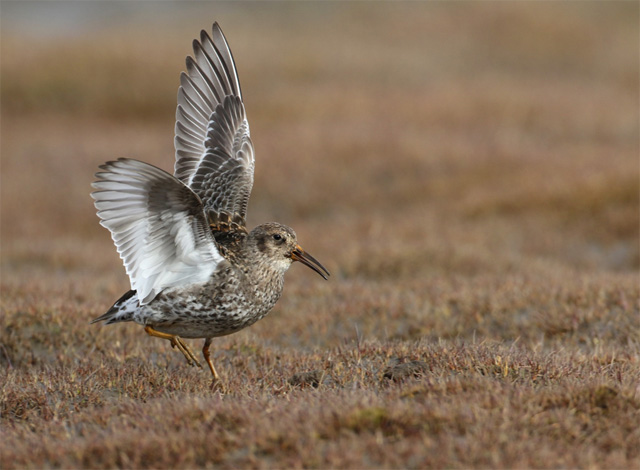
x=176 y=342
x=217 y=383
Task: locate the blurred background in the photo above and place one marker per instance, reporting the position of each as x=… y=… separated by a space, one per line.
x=446 y=161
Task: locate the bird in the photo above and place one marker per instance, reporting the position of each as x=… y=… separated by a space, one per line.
x=196 y=271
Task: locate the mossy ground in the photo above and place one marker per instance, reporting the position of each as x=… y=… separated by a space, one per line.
x=467 y=172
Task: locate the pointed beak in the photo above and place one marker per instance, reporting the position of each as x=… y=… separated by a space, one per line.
x=305 y=258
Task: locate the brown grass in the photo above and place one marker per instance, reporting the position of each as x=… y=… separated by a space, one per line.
x=468 y=173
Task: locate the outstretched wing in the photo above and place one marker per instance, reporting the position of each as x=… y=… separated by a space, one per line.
x=214 y=153
x=158 y=226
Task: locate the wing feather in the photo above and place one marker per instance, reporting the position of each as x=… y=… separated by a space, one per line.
x=214 y=152
x=158 y=226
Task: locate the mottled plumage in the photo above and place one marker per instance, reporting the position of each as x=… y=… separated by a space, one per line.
x=195 y=270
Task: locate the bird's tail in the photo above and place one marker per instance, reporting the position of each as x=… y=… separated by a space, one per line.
x=122 y=310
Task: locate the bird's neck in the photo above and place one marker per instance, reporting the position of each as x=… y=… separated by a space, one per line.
x=268 y=283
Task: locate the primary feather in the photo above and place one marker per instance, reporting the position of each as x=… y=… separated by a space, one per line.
x=214 y=152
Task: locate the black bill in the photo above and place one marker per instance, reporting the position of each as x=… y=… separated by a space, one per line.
x=305 y=258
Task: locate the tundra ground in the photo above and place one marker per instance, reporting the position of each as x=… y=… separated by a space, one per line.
x=469 y=174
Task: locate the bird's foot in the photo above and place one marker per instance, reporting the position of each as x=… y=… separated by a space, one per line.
x=176 y=342
x=218 y=386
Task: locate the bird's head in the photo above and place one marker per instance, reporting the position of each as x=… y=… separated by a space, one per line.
x=279 y=244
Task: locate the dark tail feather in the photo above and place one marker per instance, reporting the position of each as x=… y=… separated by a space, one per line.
x=122 y=310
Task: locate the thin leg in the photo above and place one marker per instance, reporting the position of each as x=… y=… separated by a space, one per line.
x=217 y=383
x=176 y=342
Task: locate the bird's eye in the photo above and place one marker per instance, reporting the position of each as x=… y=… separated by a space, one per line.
x=277 y=236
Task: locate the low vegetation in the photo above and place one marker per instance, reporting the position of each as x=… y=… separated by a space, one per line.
x=469 y=175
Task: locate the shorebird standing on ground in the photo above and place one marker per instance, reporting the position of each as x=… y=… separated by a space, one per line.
x=195 y=270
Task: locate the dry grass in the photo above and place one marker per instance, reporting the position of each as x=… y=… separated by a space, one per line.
x=468 y=173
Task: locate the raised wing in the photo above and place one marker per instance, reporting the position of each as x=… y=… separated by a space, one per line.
x=214 y=153
x=158 y=226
